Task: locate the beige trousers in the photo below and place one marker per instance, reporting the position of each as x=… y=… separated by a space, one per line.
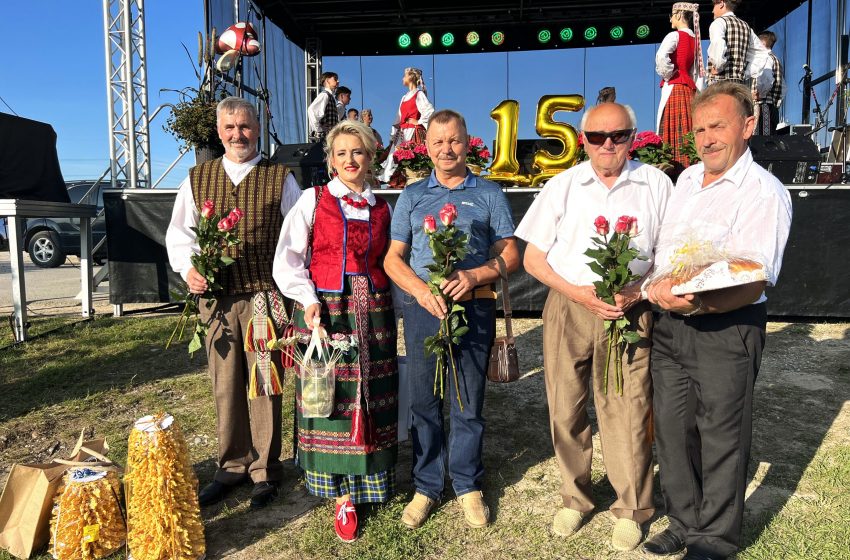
x=574 y=349
x=249 y=431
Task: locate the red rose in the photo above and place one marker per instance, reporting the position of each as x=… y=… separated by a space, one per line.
x=448 y=214
x=623 y=224
x=633 y=227
x=429 y=224
x=226 y=224
x=208 y=209
x=235 y=215
x=602 y=226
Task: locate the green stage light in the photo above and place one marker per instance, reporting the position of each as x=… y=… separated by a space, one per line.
x=472 y=38
x=404 y=40
x=447 y=39
x=425 y=40
x=566 y=34
x=590 y=33
x=544 y=35
x=617 y=32
x=498 y=38
x=642 y=32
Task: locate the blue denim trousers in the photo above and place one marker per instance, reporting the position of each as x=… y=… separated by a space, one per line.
x=466 y=435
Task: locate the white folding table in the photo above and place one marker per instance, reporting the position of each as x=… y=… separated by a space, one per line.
x=16 y=211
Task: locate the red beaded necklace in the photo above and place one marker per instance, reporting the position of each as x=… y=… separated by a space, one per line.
x=362 y=203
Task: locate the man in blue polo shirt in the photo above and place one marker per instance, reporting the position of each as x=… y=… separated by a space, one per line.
x=483 y=213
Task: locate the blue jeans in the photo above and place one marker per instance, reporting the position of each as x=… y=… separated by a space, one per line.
x=466 y=437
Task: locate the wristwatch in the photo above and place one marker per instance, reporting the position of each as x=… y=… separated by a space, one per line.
x=698 y=308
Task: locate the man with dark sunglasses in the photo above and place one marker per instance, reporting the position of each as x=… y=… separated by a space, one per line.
x=558 y=228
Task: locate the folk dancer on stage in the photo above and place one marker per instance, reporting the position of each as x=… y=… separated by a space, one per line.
x=343 y=98
x=484 y=214
x=367 y=118
x=248 y=432
x=559 y=227
x=412 y=119
x=767 y=106
x=735 y=53
x=679 y=63
x=707 y=347
x=323 y=113
x=335 y=274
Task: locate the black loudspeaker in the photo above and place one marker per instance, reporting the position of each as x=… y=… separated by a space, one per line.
x=525 y=150
x=792 y=159
x=306 y=161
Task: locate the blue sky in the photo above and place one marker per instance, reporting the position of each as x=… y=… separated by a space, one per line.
x=55 y=72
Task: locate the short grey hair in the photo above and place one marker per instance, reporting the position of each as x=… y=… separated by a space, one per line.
x=354 y=128
x=230 y=105
x=742 y=96
x=366 y=112
x=627 y=108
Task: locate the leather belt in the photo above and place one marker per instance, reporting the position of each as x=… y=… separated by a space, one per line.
x=484 y=292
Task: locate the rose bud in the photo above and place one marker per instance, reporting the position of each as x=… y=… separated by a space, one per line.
x=602 y=226
x=238 y=212
x=208 y=209
x=633 y=227
x=429 y=224
x=623 y=224
x=448 y=214
x=225 y=224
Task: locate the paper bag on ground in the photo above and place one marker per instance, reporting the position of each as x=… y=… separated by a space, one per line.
x=27 y=499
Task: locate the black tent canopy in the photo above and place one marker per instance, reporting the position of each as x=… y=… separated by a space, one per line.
x=370 y=27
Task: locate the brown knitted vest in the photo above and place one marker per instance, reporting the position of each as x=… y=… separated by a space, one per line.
x=258 y=195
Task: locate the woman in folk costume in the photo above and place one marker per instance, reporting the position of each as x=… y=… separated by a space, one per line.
x=329 y=260
x=412 y=119
x=679 y=63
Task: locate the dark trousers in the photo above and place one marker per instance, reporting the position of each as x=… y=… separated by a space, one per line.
x=466 y=437
x=767 y=118
x=703 y=372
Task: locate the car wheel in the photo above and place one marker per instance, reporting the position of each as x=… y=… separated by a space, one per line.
x=45 y=251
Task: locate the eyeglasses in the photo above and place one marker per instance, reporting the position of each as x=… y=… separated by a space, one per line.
x=617 y=136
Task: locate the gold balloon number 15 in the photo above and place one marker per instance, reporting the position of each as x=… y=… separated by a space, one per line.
x=505 y=166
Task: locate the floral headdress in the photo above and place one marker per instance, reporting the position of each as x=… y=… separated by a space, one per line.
x=694 y=8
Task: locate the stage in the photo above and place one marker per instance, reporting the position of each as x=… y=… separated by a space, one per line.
x=810 y=284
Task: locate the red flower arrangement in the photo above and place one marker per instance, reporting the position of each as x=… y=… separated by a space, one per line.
x=413 y=156
x=478 y=153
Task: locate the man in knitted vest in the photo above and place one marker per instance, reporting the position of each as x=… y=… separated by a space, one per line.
x=249 y=432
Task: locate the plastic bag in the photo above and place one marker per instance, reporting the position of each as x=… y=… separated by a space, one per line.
x=699 y=266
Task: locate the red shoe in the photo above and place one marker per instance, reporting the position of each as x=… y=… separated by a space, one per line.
x=345 y=522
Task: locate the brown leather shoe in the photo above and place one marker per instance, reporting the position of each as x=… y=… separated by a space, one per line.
x=475 y=511
x=416 y=512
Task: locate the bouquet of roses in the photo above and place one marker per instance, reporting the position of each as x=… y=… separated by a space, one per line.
x=449 y=246
x=214 y=236
x=413 y=156
x=649 y=148
x=611 y=259
x=478 y=153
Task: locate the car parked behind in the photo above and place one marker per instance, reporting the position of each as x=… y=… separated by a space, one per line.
x=50 y=240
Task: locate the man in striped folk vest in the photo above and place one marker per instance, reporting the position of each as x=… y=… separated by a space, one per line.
x=735 y=53
x=249 y=432
x=767 y=106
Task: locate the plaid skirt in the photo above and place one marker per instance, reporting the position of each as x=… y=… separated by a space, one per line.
x=676 y=122
x=366 y=387
x=378 y=487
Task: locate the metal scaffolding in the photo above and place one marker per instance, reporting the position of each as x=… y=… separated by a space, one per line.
x=127 y=93
x=313 y=69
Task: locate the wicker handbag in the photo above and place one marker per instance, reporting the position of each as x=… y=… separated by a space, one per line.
x=504 y=364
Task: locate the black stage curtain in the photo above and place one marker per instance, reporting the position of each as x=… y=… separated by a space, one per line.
x=29 y=166
x=136 y=221
x=811 y=282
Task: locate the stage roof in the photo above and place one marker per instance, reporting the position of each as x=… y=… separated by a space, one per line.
x=373 y=27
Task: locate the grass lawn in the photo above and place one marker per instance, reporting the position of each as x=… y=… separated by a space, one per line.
x=99 y=376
